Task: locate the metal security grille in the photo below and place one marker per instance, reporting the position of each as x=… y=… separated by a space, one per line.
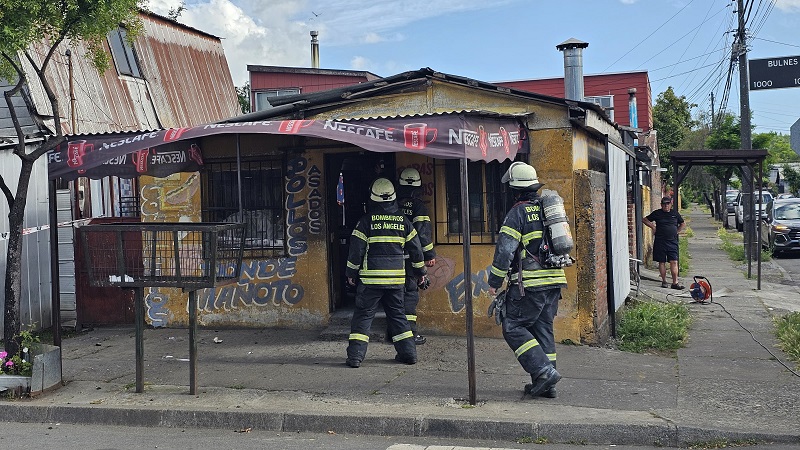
x=489 y=200
x=263 y=199
x=189 y=256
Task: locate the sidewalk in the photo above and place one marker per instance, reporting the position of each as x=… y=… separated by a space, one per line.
x=723 y=385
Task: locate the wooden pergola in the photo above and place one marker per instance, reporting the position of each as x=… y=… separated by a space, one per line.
x=738 y=158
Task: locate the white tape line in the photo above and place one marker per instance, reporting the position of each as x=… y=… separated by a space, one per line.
x=26 y=231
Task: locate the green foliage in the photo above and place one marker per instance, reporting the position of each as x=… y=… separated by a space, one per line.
x=672 y=117
x=649 y=326
x=780 y=149
x=28 y=22
x=20 y=363
x=792 y=178
x=726 y=134
x=787 y=330
x=244 y=97
x=732 y=245
x=683 y=255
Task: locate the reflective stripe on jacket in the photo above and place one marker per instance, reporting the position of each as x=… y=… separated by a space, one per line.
x=377 y=247
x=414 y=209
x=523 y=228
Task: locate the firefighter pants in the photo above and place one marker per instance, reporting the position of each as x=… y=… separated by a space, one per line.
x=367 y=299
x=410 y=302
x=528 y=327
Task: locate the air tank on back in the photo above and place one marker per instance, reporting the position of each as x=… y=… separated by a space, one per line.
x=555 y=219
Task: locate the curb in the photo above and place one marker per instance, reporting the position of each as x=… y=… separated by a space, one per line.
x=665 y=434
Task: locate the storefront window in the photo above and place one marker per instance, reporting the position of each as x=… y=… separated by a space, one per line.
x=262 y=202
x=488 y=201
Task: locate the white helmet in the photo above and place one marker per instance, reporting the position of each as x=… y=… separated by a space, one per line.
x=382 y=190
x=521 y=176
x=410 y=177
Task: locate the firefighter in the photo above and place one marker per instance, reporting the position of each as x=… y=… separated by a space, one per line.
x=375 y=261
x=414 y=209
x=532 y=298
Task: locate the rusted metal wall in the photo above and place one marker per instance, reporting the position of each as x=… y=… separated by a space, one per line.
x=185 y=81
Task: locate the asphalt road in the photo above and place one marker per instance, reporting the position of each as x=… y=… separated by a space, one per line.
x=790 y=262
x=68 y=436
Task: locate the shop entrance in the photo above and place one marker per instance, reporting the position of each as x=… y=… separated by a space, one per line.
x=356 y=170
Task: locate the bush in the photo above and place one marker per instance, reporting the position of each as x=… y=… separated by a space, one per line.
x=653 y=326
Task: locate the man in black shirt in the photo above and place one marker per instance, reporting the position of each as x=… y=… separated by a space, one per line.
x=666 y=224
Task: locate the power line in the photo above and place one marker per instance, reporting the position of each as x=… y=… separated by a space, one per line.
x=776 y=42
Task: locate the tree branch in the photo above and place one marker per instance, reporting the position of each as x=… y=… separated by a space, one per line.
x=7 y=192
x=19 y=149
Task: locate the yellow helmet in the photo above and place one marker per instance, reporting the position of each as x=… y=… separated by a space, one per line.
x=382 y=190
x=410 y=177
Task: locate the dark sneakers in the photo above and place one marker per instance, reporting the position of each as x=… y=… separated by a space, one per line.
x=406 y=359
x=355 y=364
x=420 y=339
x=543 y=382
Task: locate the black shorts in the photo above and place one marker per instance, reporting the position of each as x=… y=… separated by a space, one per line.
x=664 y=250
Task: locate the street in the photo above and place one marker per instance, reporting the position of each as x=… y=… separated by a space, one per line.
x=791 y=264
x=68 y=436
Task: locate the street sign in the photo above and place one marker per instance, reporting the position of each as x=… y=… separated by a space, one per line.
x=794 y=140
x=774 y=73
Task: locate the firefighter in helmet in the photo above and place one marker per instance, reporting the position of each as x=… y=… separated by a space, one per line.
x=414 y=209
x=533 y=292
x=376 y=264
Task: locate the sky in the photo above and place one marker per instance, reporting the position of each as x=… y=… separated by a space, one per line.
x=685 y=44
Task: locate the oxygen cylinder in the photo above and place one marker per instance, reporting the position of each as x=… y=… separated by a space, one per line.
x=555 y=219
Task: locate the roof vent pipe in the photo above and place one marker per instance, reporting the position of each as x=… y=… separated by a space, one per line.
x=314 y=50
x=573 y=68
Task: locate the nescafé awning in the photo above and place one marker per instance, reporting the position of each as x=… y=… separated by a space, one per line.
x=161 y=152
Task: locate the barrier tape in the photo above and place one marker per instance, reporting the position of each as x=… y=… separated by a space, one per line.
x=27 y=231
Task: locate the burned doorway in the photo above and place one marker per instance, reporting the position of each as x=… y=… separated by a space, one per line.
x=349 y=176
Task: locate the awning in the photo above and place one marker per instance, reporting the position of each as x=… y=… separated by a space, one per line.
x=447 y=136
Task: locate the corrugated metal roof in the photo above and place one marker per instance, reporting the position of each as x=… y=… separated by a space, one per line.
x=186 y=82
x=325 y=100
x=8 y=134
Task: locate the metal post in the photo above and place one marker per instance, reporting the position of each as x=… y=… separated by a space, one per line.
x=139 y=319
x=760 y=178
x=466 y=232
x=193 y=342
x=749 y=226
x=55 y=287
x=239 y=177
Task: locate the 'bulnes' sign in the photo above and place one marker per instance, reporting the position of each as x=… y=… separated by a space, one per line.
x=774 y=73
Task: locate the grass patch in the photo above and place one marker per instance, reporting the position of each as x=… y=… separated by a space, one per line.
x=683 y=255
x=647 y=326
x=732 y=245
x=787 y=329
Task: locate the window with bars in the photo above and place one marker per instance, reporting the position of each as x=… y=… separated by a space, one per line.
x=262 y=202
x=488 y=200
x=123 y=54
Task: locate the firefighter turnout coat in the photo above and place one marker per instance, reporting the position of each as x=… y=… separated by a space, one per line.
x=523 y=228
x=377 y=247
x=414 y=209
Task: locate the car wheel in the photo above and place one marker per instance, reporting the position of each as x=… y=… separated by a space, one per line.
x=739 y=226
x=772 y=250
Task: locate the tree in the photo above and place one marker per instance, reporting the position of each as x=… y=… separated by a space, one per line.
x=792 y=178
x=672 y=118
x=244 y=97
x=44 y=25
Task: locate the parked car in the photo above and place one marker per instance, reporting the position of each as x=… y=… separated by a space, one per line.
x=764 y=198
x=730 y=200
x=780 y=230
x=782 y=196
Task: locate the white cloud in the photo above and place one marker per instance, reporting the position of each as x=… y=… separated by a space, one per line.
x=277 y=32
x=788 y=5
x=360 y=63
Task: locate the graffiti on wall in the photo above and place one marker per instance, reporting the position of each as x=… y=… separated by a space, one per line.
x=299 y=177
x=456 y=288
x=262 y=283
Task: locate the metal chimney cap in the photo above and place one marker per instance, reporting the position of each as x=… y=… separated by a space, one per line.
x=571 y=43
x=314 y=33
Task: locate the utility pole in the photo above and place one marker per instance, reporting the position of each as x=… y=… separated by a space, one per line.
x=746 y=139
x=712 y=110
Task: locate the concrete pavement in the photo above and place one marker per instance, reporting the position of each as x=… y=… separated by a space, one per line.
x=728 y=383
